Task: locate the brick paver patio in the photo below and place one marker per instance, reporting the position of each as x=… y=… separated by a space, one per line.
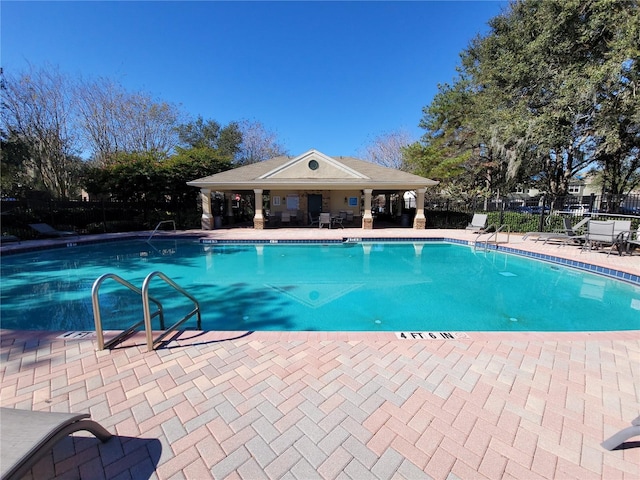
x=338 y=405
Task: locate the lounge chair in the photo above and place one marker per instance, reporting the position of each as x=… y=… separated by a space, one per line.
x=623 y=435
x=572 y=233
x=47 y=230
x=8 y=239
x=478 y=222
x=325 y=219
x=27 y=436
x=557 y=235
x=598 y=234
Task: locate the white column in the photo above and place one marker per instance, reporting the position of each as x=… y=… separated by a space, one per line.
x=367 y=219
x=258 y=218
x=420 y=222
x=207 y=218
x=230 y=197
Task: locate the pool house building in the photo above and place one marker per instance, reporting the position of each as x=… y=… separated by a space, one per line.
x=297 y=190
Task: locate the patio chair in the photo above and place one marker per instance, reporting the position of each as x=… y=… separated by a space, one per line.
x=633 y=241
x=313 y=219
x=27 y=436
x=622 y=231
x=338 y=219
x=325 y=219
x=285 y=218
x=349 y=217
x=478 y=222
x=598 y=234
x=622 y=436
x=46 y=230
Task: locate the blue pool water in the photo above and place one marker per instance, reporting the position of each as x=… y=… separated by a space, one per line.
x=396 y=286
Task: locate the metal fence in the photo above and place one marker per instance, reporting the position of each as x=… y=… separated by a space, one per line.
x=521 y=215
x=90 y=217
x=610 y=204
x=531 y=214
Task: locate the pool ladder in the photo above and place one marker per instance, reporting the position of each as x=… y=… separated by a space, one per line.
x=158 y=226
x=146 y=309
x=492 y=235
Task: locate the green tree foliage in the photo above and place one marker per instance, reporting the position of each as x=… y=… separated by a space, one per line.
x=188 y=165
x=129 y=177
x=14 y=157
x=549 y=92
x=210 y=134
x=138 y=177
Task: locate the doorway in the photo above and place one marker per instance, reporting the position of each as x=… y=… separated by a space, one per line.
x=314 y=205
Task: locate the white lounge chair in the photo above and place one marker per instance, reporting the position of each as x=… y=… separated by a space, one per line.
x=478 y=222
x=47 y=230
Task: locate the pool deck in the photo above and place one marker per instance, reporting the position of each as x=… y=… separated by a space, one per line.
x=359 y=405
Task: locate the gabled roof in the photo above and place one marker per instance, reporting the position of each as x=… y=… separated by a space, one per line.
x=312 y=170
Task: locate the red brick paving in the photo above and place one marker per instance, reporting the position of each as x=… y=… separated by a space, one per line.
x=292 y=416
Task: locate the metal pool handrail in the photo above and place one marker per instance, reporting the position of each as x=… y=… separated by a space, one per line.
x=95 y=290
x=158 y=226
x=494 y=233
x=147 y=311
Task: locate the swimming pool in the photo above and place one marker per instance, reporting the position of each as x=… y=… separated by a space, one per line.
x=396 y=286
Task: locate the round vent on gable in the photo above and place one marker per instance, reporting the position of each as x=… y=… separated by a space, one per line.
x=313 y=164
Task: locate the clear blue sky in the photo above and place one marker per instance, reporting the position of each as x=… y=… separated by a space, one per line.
x=325 y=75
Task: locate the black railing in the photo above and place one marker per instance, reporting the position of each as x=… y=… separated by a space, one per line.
x=531 y=214
x=521 y=215
x=90 y=217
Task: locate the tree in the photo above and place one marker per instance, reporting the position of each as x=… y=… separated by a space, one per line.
x=143 y=176
x=38 y=111
x=14 y=155
x=113 y=120
x=188 y=165
x=458 y=144
x=545 y=93
x=387 y=149
x=617 y=123
x=199 y=134
x=429 y=161
x=258 y=143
